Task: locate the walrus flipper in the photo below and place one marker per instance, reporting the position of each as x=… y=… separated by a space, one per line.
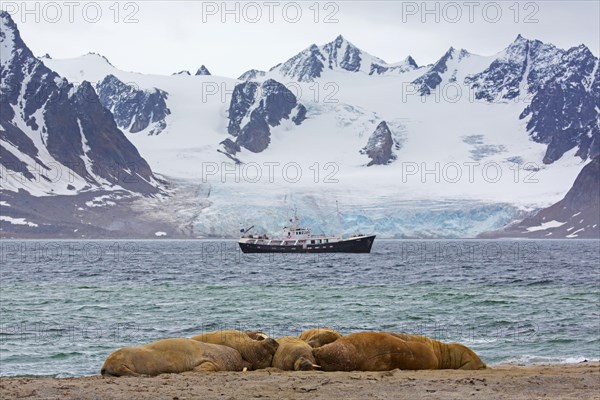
x=206 y=366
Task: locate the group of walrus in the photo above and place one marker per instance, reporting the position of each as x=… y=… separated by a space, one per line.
x=316 y=349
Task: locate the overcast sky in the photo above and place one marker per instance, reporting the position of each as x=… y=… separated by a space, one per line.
x=163 y=37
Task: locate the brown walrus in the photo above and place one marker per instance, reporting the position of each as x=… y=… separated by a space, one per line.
x=449 y=355
x=374 y=351
x=319 y=336
x=257 y=335
x=293 y=354
x=172 y=356
x=259 y=353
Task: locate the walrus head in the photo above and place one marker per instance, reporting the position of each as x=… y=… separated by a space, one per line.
x=320 y=336
x=119 y=363
x=464 y=358
x=265 y=356
x=304 y=364
x=258 y=335
x=270 y=344
x=336 y=356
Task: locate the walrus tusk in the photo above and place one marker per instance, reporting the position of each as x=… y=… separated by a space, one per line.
x=316 y=366
x=245 y=369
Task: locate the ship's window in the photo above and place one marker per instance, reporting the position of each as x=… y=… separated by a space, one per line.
x=312 y=242
x=326 y=240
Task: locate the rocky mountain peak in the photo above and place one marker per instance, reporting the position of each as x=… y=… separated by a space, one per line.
x=202 y=71
x=134 y=109
x=379 y=146
x=100 y=56
x=577 y=215
x=47 y=121
x=304 y=66
x=7 y=23
x=441 y=65
x=11 y=45
x=254 y=108
x=411 y=62
x=519 y=39
x=251 y=74
x=433 y=77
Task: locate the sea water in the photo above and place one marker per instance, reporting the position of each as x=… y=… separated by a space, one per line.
x=66 y=305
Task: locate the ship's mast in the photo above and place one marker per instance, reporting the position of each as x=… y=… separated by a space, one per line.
x=295 y=223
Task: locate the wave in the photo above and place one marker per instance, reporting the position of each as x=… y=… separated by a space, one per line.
x=530 y=359
x=489 y=302
x=62 y=356
x=542 y=282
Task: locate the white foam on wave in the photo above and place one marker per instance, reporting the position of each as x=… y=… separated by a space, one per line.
x=529 y=359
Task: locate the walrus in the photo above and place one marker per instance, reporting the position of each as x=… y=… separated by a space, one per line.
x=257 y=335
x=293 y=354
x=319 y=336
x=374 y=351
x=449 y=355
x=172 y=356
x=259 y=353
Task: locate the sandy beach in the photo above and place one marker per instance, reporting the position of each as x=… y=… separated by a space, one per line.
x=572 y=381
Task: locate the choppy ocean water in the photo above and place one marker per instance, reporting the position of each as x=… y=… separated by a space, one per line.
x=66 y=305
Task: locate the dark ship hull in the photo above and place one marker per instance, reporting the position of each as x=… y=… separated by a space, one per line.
x=359 y=244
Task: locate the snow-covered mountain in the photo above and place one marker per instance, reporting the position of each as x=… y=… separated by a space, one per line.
x=577 y=215
x=133 y=109
x=48 y=123
x=444 y=70
x=56 y=138
x=450 y=149
x=251 y=74
x=380 y=146
x=338 y=55
x=202 y=71
x=561 y=87
x=255 y=108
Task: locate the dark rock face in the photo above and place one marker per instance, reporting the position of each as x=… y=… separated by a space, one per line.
x=67 y=123
x=262 y=106
x=134 y=109
x=561 y=87
x=184 y=72
x=243 y=97
x=432 y=78
x=577 y=215
x=407 y=65
x=524 y=60
x=351 y=59
x=251 y=75
x=256 y=134
x=585 y=192
x=339 y=54
x=563 y=111
x=379 y=147
x=202 y=71
x=305 y=66
x=411 y=62
x=230 y=146
x=108 y=146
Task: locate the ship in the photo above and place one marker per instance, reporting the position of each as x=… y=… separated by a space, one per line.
x=300 y=240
